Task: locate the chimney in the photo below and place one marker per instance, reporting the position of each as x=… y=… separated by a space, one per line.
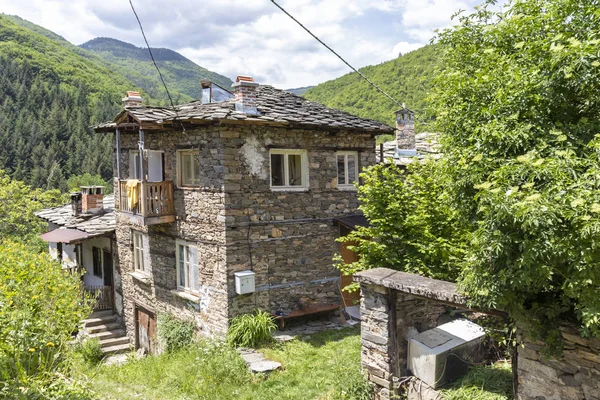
x=76 y=203
x=133 y=99
x=405 y=129
x=244 y=90
x=92 y=199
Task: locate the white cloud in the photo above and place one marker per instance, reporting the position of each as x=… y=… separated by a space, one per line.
x=234 y=37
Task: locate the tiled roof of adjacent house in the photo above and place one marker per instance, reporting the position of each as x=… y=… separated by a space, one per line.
x=94 y=224
x=274 y=106
x=426 y=144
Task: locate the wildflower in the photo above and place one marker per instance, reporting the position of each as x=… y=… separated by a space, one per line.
x=50 y=344
x=31 y=349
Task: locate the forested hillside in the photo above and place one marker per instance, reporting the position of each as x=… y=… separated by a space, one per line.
x=408 y=79
x=181 y=75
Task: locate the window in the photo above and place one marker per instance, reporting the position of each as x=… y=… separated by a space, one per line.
x=347 y=168
x=188 y=168
x=138 y=252
x=289 y=169
x=97 y=261
x=135 y=163
x=187 y=267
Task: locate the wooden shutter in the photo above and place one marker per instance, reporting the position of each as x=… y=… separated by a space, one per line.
x=193 y=259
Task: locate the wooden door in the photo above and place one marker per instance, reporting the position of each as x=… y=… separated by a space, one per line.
x=146 y=330
x=155 y=166
x=350 y=299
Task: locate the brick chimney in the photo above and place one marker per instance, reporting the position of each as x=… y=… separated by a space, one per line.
x=244 y=90
x=405 y=129
x=92 y=199
x=132 y=99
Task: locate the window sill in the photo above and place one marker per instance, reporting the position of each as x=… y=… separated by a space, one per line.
x=351 y=188
x=289 y=189
x=185 y=295
x=189 y=187
x=141 y=276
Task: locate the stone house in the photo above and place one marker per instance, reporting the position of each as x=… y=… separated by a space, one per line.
x=245 y=190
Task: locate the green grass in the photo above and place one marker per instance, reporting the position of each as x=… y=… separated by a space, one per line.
x=483 y=383
x=323 y=366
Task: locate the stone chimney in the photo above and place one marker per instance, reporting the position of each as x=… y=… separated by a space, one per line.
x=244 y=90
x=133 y=99
x=76 y=203
x=92 y=199
x=405 y=129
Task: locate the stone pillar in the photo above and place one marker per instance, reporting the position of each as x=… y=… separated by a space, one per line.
x=405 y=129
x=379 y=338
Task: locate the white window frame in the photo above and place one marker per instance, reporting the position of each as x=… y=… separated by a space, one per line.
x=137 y=170
x=345 y=154
x=189 y=266
x=303 y=165
x=196 y=171
x=139 y=259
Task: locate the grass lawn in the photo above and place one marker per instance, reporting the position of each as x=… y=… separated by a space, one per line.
x=323 y=366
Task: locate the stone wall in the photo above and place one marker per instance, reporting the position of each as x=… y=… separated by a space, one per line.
x=574 y=376
x=239 y=223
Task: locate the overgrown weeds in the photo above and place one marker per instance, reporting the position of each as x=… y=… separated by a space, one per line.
x=173 y=333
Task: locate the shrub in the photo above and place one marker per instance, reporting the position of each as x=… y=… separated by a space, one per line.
x=40 y=306
x=173 y=333
x=91 y=350
x=251 y=330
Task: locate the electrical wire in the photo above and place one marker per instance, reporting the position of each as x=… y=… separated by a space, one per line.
x=155 y=64
x=338 y=56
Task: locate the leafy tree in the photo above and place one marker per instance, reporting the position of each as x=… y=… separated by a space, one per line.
x=518 y=108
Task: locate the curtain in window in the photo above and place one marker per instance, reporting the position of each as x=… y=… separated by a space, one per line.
x=295 y=169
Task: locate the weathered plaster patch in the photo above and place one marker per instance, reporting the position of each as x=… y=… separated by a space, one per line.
x=252 y=155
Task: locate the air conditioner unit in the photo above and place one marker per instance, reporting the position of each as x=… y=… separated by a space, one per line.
x=444 y=353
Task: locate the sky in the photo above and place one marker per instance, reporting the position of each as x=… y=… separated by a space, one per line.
x=253 y=37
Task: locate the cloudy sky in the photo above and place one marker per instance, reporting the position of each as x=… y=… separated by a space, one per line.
x=237 y=37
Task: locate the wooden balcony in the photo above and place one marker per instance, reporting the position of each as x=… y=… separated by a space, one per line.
x=153 y=203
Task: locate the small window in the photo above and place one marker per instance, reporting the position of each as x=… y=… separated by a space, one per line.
x=289 y=169
x=97 y=261
x=188 y=168
x=187 y=267
x=347 y=168
x=135 y=162
x=138 y=251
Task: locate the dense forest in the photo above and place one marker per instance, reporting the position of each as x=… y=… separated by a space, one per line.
x=408 y=79
x=181 y=75
x=51 y=94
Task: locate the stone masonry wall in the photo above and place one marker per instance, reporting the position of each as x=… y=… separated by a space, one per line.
x=575 y=376
x=233 y=214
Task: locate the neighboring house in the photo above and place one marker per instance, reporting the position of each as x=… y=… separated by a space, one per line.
x=215 y=199
x=408 y=147
x=82 y=236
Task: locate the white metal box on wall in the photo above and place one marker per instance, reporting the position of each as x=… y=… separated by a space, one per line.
x=244 y=282
x=442 y=354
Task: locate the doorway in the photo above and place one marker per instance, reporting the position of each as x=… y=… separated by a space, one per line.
x=145 y=328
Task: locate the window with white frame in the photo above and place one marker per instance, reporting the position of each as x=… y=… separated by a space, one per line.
x=188 y=168
x=135 y=163
x=187 y=267
x=347 y=168
x=139 y=262
x=289 y=169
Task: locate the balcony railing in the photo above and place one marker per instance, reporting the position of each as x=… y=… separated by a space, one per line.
x=103 y=296
x=153 y=201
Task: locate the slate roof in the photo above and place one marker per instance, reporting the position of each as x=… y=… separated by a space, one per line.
x=274 y=105
x=95 y=225
x=425 y=145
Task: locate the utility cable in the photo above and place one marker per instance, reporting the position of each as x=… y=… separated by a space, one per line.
x=338 y=56
x=155 y=64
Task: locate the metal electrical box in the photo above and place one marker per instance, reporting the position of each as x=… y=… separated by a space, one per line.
x=244 y=282
x=442 y=354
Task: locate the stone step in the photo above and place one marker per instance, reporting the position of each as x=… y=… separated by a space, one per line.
x=103 y=313
x=108 y=334
x=102 y=328
x=113 y=341
x=95 y=321
x=116 y=349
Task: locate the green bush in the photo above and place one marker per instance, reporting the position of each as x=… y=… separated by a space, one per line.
x=90 y=350
x=173 y=333
x=251 y=330
x=40 y=307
